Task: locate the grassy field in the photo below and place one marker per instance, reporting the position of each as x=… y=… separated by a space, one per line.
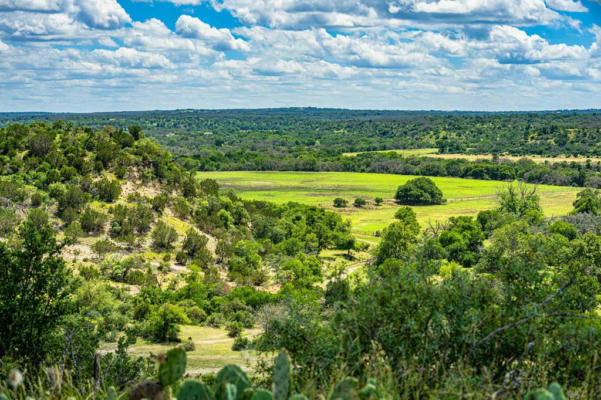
x=465 y=196
x=213 y=350
x=433 y=152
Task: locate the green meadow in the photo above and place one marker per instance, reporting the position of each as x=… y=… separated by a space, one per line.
x=433 y=153
x=464 y=196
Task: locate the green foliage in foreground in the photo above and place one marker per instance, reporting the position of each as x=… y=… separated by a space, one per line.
x=232 y=383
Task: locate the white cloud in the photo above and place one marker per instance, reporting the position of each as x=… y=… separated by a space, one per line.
x=127 y=57
x=32 y=5
x=567 y=5
x=104 y=14
x=514 y=46
x=298 y=14
x=153 y=35
x=101 y=14
x=220 y=39
x=29 y=25
x=344 y=53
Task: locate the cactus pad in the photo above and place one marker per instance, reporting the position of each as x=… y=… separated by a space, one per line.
x=233 y=375
x=193 y=390
x=281 y=376
x=262 y=395
x=173 y=367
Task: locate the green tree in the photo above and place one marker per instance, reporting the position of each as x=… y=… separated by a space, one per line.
x=587 y=201
x=163 y=323
x=397 y=241
x=339 y=202
x=407 y=216
x=520 y=200
x=359 y=202
x=419 y=191
x=209 y=187
x=36 y=285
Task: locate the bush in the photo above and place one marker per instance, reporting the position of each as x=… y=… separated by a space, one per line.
x=104 y=246
x=339 y=202
x=234 y=329
x=37 y=199
x=163 y=236
x=379 y=201
x=359 y=202
x=108 y=190
x=189 y=345
x=181 y=257
x=92 y=221
x=419 y=191
x=240 y=343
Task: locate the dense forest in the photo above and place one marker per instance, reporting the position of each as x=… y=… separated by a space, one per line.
x=106 y=240
x=317 y=139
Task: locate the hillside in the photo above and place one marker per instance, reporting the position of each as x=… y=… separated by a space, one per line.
x=146 y=244
x=112 y=254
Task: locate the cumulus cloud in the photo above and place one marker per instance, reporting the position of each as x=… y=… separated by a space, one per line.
x=105 y=14
x=514 y=46
x=126 y=57
x=220 y=39
x=32 y=5
x=567 y=5
x=344 y=53
x=30 y=15
x=298 y=14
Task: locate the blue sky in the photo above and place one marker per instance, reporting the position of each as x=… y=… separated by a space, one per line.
x=101 y=55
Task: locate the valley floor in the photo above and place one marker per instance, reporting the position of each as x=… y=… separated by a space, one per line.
x=464 y=196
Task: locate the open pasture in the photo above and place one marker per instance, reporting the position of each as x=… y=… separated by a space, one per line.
x=433 y=153
x=213 y=349
x=464 y=196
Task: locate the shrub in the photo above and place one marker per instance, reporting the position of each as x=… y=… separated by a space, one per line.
x=588 y=202
x=36 y=199
x=419 y=191
x=240 y=343
x=163 y=236
x=38 y=218
x=339 y=202
x=108 y=190
x=234 y=329
x=104 y=246
x=359 y=202
x=181 y=257
x=379 y=201
x=92 y=221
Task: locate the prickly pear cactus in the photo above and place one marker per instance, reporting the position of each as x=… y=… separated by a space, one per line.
x=231 y=375
x=172 y=367
x=345 y=390
x=193 y=390
x=539 y=394
x=557 y=392
x=368 y=390
x=231 y=391
x=554 y=392
x=261 y=394
x=298 y=397
x=281 y=376
x=111 y=394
